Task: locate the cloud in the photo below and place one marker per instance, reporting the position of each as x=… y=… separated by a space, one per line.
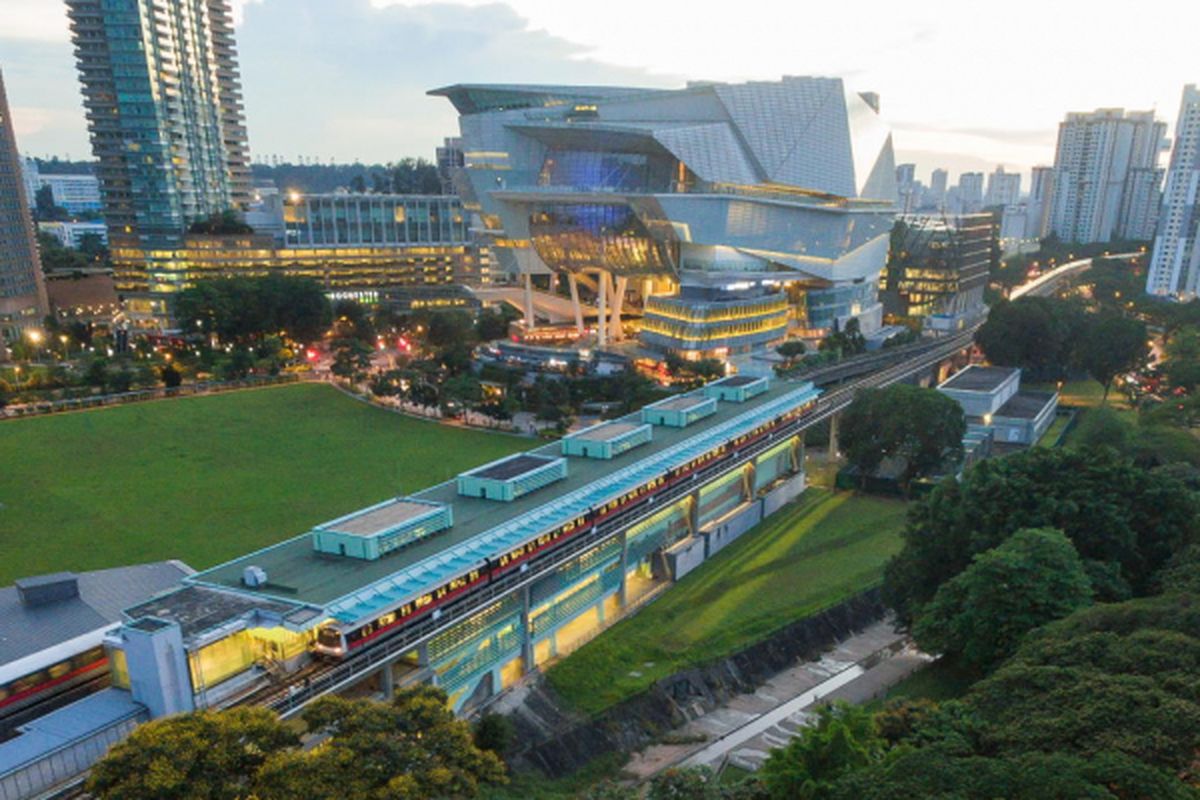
x=352 y=83
x=1042 y=137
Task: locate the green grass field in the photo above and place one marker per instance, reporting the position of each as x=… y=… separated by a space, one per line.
x=810 y=555
x=209 y=478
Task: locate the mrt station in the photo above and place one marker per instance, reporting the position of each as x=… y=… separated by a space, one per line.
x=472 y=583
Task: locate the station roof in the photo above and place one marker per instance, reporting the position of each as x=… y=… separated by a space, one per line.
x=511 y=467
x=738 y=380
x=603 y=433
x=979 y=379
x=378 y=518
x=68 y=725
x=1024 y=405
x=27 y=629
x=681 y=403
x=347 y=587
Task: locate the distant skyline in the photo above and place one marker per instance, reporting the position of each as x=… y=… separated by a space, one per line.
x=347 y=78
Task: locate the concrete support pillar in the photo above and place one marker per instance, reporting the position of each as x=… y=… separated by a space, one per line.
x=527 y=657
x=694 y=513
x=833 y=436
x=623 y=589
x=529 y=320
x=618 y=302
x=602 y=338
x=387 y=681
x=573 y=282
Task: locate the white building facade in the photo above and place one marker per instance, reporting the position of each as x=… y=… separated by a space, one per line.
x=1105 y=167
x=1175 y=263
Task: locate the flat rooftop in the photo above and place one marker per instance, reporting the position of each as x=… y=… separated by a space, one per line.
x=1025 y=405
x=602 y=433
x=738 y=380
x=511 y=467
x=379 y=518
x=298 y=573
x=979 y=379
x=682 y=402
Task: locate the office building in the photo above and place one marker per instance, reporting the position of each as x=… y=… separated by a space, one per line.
x=78 y=194
x=1040 y=203
x=970 y=193
x=449 y=158
x=365 y=247
x=938 y=268
x=908 y=189
x=164 y=109
x=71 y=234
x=1003 y=188
x=22 y=291
x=1175 y=263
x=938 y=182
x=742 y=191
x=1103 y=158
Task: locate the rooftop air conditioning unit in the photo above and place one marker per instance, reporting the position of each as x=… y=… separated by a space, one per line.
x=254 y=577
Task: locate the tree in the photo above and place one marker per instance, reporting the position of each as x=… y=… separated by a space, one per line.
x=352 y=320
x=243 y=310
x=224 y=223
x=842 y=740
x=1182 y=364
x=922 y=428
x=791 y=349
x=206 y=755
x=492 y=325
x=448 y=328
x=849 y=341
x=171 y=377
x=494 y=732
x=981 y=614
x=350 y=358
x=1110 y=344
x=410 y=749
x=1113 y=511
x=1037 y=334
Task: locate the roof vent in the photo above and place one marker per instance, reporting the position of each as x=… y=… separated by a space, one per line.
x=45 y=589
x=254 y=577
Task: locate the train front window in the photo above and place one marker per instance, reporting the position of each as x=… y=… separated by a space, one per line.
x=329 y=637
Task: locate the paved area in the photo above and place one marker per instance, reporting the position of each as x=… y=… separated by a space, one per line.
x=746 y=728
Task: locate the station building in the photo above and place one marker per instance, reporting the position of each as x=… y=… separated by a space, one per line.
x=473 y=582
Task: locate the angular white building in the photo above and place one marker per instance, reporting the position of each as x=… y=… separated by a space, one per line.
x=759 y=206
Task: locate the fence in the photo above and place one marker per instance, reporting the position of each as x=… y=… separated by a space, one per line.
x=44 y=407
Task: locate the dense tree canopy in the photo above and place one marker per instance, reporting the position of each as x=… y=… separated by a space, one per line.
x=843 y=738
x=1109 y=344
x=1037 y=334
x=411 y=749
x=207 y=755
x=1125 y=521
x=243 y=309
x=921 y=428
x=981 y=614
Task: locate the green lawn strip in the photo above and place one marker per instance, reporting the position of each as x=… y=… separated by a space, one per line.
x=1050 y=437
x=810 y=555
x=206 y=479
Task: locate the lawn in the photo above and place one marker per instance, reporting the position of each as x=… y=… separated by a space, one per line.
x=208 y=478
x=810 y=555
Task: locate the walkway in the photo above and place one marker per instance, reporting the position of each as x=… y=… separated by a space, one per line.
x=557 y=310
x=746 y=728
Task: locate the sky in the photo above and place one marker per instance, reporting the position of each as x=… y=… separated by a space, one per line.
x=964 y=85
